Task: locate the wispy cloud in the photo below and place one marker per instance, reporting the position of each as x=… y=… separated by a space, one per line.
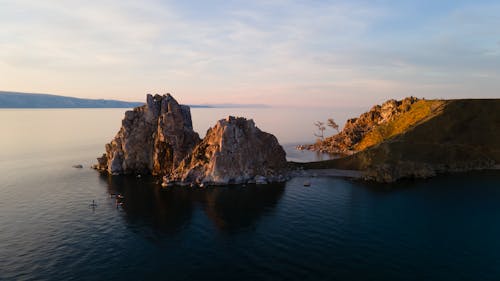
x=297 y=52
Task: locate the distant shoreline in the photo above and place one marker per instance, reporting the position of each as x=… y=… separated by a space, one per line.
x=18 y=100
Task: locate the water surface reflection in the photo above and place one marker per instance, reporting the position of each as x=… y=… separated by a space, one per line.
x=169 y=211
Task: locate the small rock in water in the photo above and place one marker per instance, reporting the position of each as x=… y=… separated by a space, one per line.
x=78 y=166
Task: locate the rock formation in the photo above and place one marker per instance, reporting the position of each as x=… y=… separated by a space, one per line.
x=433 y=137
x=154 y=138
x=233 y=151
x=158 y=138
x=356 y=129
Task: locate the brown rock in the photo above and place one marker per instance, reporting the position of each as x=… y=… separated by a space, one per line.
x=158 y=138
x=154 y=138
x=233 y=151
x=388 y=173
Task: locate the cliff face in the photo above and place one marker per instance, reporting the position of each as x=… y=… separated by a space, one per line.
x=457 y=135
x=354 y=135
x=158 y=138
x=154 y=138
x=233 y=151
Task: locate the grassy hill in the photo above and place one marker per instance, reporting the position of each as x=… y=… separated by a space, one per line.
x=420 y=111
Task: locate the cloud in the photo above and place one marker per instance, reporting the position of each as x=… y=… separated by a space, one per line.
x=300 y=52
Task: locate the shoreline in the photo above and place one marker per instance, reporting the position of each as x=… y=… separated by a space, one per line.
x=338 y=173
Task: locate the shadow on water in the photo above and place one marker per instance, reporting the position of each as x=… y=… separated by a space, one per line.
x=145 y=205
x=235 y=208
x=169 y=211
x=441 y=180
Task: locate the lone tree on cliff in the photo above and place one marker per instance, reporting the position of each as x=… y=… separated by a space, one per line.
x=321 y=129
x=331 y=123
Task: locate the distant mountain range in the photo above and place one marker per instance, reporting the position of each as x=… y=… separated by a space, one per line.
x=31 y=100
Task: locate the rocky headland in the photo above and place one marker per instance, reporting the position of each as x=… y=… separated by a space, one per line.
x=353 y=136
x=158 y=139
x=410 y=138
x=416 y=138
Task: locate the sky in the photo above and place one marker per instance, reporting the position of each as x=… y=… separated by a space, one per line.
x=293 y=53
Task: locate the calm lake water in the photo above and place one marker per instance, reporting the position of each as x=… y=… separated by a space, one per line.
x=446 y=228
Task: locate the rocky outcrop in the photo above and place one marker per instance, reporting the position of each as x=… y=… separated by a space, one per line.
x=387 y=173
x=445 y=136
x=154 y=138
x=234 y=151
x=158 y=139
x=392 y=172
x=356 y=129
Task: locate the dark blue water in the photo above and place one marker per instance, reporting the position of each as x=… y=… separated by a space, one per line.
x=441 y=229
x=446 y=228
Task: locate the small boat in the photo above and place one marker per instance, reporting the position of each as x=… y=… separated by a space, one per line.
x=307 y=183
